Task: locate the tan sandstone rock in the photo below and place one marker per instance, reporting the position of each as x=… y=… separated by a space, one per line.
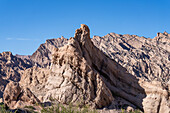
x=1 y=100
x=146 y=58
x=81 y=74
x=11 y=68
x=18 y=97
x=43 y=55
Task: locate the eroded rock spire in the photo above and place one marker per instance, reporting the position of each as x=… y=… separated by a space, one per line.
x=81 y=73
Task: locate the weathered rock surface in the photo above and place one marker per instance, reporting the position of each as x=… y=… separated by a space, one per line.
x=11 y=69
x=80 y=72
x=3 y=84
x=43 y=55
x=10 y=66
x=142 y=57
x=1 y=100
x=76 y=82
x=157 y=99
x=23 y=57
x=17 y=97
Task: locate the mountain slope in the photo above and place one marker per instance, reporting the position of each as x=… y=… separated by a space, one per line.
x=76 y=71
x=11 y=68
x=80 y=72
x=43 y=55
x=142 y=57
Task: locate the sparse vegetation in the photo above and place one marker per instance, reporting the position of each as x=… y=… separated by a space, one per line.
x=29 y=107
x=135 y=111
x=67 y=109
x=59 y=108
x=3 y=109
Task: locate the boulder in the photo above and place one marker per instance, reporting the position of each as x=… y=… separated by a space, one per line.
x=17 y=97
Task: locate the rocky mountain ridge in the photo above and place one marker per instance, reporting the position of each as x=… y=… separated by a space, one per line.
x=83 y=70
x=142 y=57
x=23 y=57
x=11 y=69
x=43 y=55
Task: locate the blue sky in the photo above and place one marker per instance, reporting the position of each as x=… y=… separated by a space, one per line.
x=25 y=24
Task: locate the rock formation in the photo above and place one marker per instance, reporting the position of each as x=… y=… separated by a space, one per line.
x=116 y=73
x=142 y=57
x=43 y=55
x=77 y=82
x=139 y=55
x=81 y=73
x=23 y=57
x=11 y=69
x=17 y=97
x=3 y=84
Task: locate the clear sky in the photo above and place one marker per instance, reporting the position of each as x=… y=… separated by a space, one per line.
x=25 y=24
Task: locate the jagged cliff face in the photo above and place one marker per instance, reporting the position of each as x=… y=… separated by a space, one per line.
x=43 y=55
x=76 y=71
x=77 y=82
x=11 y=69
x=142 y=57
x=146 y=58
x=81 y=73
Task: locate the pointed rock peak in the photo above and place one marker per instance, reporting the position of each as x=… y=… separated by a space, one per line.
x=62 y=37
x=165 y=33
x=8 y=53
x=158 y=34
x=162 y=34
x=82 y=34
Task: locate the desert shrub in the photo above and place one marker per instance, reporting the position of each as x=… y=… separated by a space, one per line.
x=135 y=111
x=3 y=109
x=69 y=109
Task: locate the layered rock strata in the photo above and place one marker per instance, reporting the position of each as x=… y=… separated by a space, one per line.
x=143 y=57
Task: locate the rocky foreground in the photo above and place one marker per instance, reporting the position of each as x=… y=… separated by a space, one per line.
x=111 y=72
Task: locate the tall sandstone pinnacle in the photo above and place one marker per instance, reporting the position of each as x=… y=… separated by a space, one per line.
x=81 y=73
x=71 y=78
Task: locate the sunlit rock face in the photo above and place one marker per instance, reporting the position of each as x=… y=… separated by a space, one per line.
x=16 y=96
x=71 y=78
x=11 y=69
x=43 y=55
x=96 y=72
x=146 y=58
